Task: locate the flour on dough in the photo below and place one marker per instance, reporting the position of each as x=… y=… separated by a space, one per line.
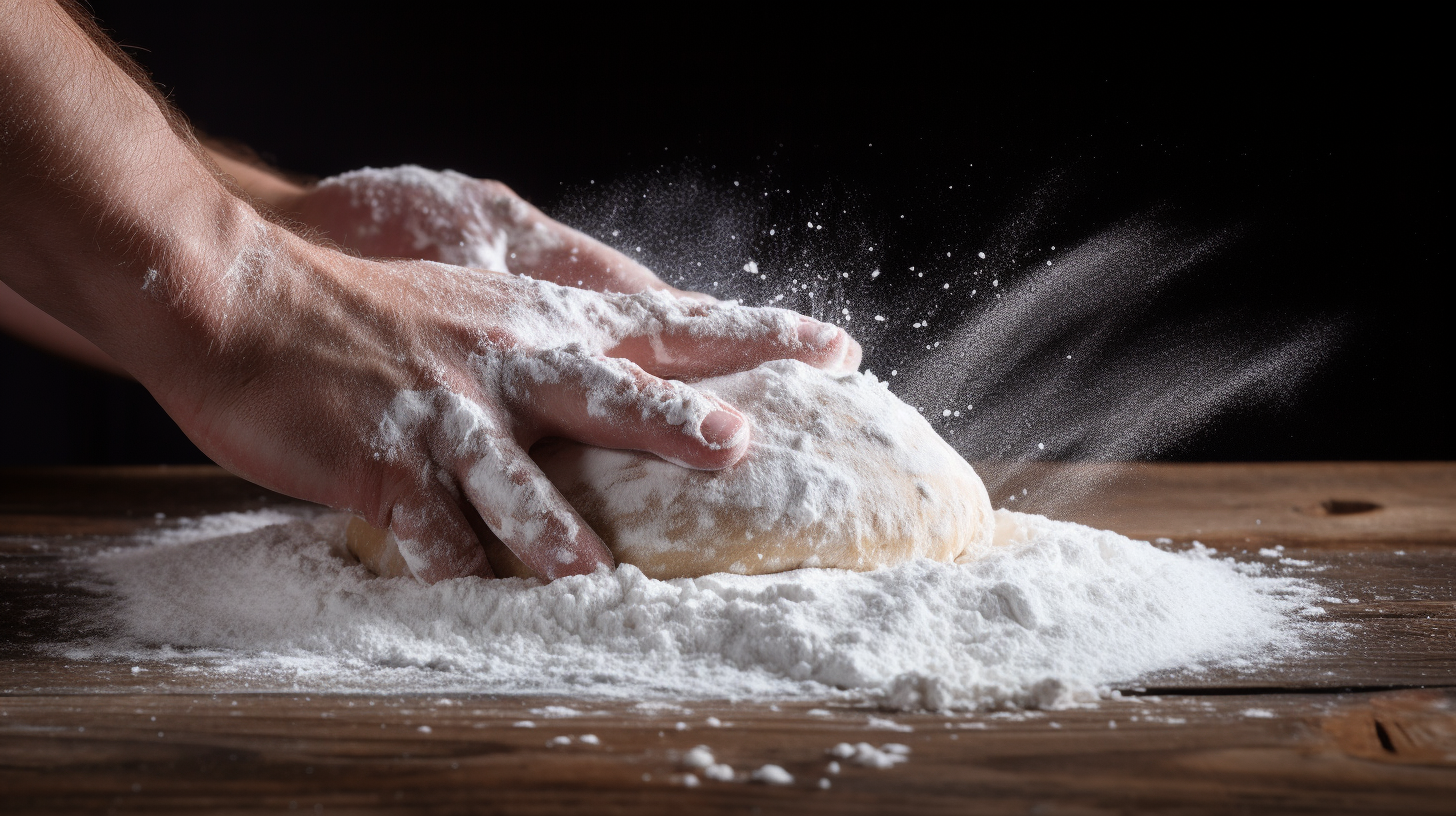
x=839 y=473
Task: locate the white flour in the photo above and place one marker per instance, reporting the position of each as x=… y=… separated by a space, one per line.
x=1052 y=619
x=450 y=216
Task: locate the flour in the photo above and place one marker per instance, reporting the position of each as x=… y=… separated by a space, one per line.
x=699 y=757
x=1052 y=618
x=773 y=775
x=886 y=756
x=1088 y=359
x=188 y=530
x=451 y=217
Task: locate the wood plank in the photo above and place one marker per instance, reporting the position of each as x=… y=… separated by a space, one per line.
x=62 y=501
x=1346 y=753
x=1342 y=504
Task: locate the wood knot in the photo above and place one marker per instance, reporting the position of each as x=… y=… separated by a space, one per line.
x=1341 y=507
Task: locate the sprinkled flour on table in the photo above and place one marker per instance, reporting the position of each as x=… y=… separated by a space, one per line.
x=1050 y=619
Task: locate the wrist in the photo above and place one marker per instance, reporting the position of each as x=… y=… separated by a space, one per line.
x=210 y=293
x=269 y=189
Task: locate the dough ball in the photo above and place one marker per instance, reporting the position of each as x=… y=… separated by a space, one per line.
x=839 y=473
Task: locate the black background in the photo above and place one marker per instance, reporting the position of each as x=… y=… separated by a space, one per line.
x=1317 y=143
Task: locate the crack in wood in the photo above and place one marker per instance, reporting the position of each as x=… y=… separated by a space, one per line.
x=1347 y=507
x=1384 y=737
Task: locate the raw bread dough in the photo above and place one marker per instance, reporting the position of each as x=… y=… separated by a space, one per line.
x=839 y=473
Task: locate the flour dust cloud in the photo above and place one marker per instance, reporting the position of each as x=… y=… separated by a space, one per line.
x=1018 y=347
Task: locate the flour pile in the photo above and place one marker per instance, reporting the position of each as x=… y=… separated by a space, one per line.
x=1053 y=617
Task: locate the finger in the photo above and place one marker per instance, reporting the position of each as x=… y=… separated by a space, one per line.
x=584 y=262
x=527 y=513
x=434 y=538
x=612 y=403
x=701 y=297
x=673 y=337
x=547 y=249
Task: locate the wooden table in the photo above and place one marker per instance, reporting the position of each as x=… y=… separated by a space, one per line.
x=1367 y=727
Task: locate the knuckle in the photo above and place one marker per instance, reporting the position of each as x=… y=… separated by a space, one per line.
x=496 y=188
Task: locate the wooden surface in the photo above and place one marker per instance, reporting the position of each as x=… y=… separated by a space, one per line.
x=1367 y=724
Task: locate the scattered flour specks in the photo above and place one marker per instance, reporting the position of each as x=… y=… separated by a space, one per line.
x=886 y=756
x=773 y=775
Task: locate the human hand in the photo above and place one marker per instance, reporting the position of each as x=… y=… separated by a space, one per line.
x=406 y=391
x=411 y=212
x=410 y=392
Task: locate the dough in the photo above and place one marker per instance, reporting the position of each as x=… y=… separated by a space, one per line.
x=839 y=473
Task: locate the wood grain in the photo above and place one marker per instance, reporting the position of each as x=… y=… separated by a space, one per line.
x=1315 y=504
x=1364 y=724
x=1392 y=752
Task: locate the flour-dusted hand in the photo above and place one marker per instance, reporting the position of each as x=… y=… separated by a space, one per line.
x=412 y=212
x=408 y=391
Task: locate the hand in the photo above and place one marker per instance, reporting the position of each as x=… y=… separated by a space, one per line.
x=406 y=391
x=410 y=392
x=411 y=212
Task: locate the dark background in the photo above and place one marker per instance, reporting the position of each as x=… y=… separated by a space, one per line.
x=1316 y=144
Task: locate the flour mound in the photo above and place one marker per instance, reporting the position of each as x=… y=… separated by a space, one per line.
x=1057 y=613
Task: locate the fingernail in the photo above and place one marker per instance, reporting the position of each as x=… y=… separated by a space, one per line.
x=814 y=333
x=720 y=429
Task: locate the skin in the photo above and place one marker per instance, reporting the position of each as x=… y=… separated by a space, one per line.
x=326 y=213
x=403 y=390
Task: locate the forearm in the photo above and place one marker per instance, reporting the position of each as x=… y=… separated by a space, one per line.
x=271 y=189
x=20 y=318
x=109 y=219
